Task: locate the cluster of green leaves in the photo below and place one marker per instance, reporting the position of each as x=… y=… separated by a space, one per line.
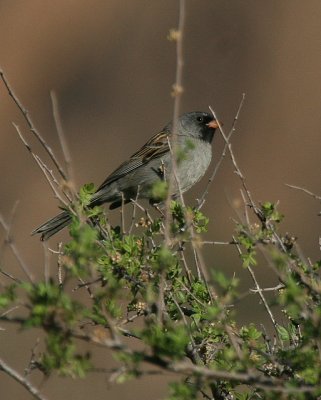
x=57 y=314
x=181 y=318
x=296 y=357
x=185 y=218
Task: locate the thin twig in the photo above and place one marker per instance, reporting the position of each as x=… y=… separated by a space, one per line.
x=246 y=213
x=47 y=261
x=32 y=127
x=315 y=196
x=251 y=203
x=173 y=179
x=192 y=352
x=9 y=311
x=129 y=319
x=42 y=166
x=177 y=93
x=62 y=138
x=199 y=274
x=8 y=275
x=59 y=264
x=160 y=299
x=142 y=209
x=134 y=211
x=260 y=292
x=33 y=359
x=54 y=180
x=218 y=243
x=6 y=239
x=10 y=224
x=122 y=214
x=188 y=272
x=201 y=267
x=147 y=216
x=86 y=285
x=21 y=379
x=201 y=201
x=270 y=289
x=237 y=169
x=174 y=174
x=234 y=342
x=15 y=250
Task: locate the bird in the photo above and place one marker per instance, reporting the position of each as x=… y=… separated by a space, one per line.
x=152 y=163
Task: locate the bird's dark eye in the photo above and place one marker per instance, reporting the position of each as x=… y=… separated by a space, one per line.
x=200 y=119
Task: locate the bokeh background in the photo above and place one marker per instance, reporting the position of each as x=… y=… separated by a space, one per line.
x=112 y=68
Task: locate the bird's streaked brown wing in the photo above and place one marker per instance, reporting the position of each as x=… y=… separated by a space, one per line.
x=154 y=148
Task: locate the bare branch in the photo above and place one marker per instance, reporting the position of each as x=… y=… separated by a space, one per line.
x=32 y=127
x=315 y=196
x=237 y=169
x=15 y=250
x=218 y=243
x=270 y=289
x=8 y=275
x=21 y=379
x=62 y=138
x=47 y=261
x=42 y=166
x=134 y=211
x=260 y=292
x=6 y=239
x=177 y=94
x=201 y=201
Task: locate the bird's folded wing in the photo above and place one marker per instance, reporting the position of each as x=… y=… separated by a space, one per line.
x=154 y=148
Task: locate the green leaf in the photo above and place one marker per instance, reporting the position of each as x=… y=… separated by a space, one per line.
x=86 y=192
x=8 y=296
x=159 y=191
x=182 y=391
x=283 y=333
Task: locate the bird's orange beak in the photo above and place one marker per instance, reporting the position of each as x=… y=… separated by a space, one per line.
x=213 y=124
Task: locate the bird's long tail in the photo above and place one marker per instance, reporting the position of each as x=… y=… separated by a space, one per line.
x=52 y=226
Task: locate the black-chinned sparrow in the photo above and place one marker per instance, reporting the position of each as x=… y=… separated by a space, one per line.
x=150 y=164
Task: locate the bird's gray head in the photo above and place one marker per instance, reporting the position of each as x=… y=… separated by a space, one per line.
x=197 y=124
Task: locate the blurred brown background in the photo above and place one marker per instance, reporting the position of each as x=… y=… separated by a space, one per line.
x=112 y=68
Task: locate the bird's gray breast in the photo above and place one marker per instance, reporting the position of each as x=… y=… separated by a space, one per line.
x=194 y=165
